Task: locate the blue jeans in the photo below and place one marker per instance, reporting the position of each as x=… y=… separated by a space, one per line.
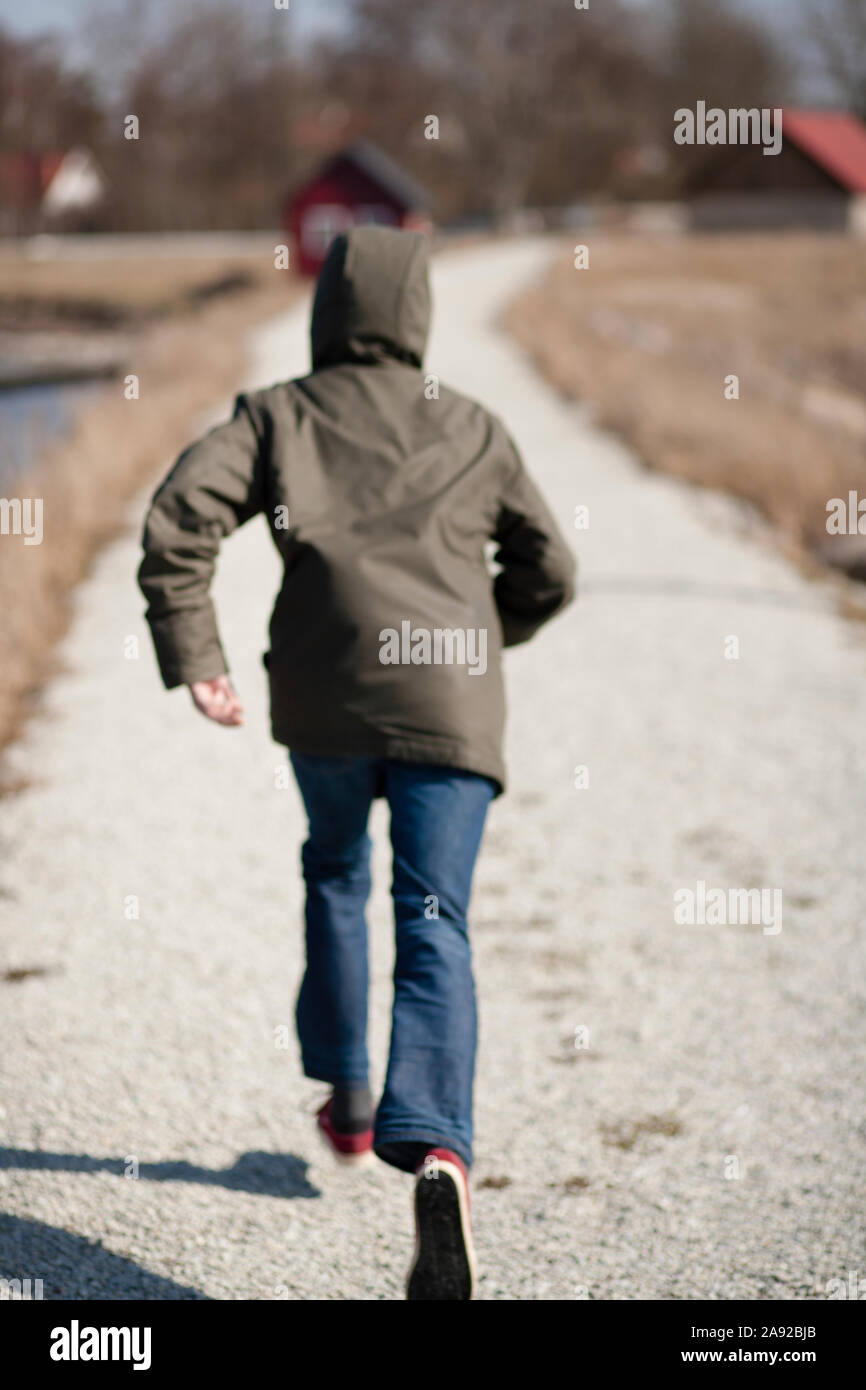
x=437 y=819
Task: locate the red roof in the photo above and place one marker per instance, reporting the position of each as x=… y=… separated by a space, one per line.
x=833 y=139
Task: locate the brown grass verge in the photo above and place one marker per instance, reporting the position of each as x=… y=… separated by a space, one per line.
x=121 y=289
x=86 y=480
x=648 y=334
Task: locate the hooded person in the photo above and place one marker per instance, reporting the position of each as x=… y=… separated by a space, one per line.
x=383 y=491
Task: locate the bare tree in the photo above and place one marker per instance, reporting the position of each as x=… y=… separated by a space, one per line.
x=531 y=99
x=536 y=102
x=44 y=107
x=723 y=57
x=835 y=38
x=211 y=87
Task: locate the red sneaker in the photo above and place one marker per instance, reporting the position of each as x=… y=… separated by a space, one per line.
x=352 y=1150
x=444 y=1263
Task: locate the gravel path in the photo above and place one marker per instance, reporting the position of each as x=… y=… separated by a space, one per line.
x=149 y=1046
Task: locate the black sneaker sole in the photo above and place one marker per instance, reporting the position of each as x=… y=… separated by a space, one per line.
x=444 y=1263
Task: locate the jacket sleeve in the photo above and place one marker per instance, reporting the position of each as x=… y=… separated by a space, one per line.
x=537 y=578
x=214 y=487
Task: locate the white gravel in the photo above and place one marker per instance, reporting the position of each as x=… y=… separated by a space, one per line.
x=154 y=1038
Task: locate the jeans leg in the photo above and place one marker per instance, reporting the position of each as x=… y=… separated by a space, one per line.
x=331 y=1012
x=437 y=820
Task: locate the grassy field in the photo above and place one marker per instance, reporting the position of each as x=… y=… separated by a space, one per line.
x=186 y=363
x=120 y=290
x=649 y=333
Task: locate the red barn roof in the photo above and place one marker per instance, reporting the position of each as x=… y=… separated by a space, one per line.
x=835 y=140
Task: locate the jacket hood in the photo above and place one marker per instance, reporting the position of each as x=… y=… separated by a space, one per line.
x=372 y=299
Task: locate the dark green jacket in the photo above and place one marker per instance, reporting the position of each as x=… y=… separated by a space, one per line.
x=381 y=489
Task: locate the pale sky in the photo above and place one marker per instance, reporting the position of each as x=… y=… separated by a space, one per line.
x=310 y=16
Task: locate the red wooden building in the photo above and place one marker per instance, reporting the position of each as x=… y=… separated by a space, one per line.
x=818 y=180
x=61 y=190
x=356 y=186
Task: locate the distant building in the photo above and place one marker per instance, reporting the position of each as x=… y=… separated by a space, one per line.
x=817 y=180
x=357 y=185
x=76 y=187
x=24 y=177
x=60 y=189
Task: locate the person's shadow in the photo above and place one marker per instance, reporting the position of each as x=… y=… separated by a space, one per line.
x=269 y=1175
x=39 y=1261
x=71 y=1267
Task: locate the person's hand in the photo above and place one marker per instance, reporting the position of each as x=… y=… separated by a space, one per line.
x=217 y=701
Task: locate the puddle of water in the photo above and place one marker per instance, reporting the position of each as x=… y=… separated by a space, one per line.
x=31 y=417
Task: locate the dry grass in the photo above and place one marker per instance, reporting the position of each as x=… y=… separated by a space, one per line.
x=86 y=481
x=651 y=330
x=122 y=288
